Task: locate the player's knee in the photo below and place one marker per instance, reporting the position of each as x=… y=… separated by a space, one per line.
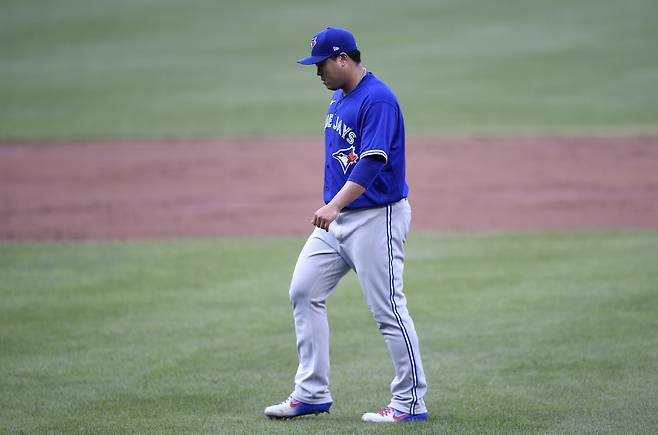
x=385 y=319
x=301 y=296
x=298 y=293
x=294 y=295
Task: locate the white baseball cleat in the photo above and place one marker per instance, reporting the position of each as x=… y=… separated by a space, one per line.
x=391 y=415
x=290 y=408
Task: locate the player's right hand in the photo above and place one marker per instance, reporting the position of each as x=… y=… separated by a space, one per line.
x=324 y=216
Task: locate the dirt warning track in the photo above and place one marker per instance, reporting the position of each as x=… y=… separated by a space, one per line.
x=198 y=188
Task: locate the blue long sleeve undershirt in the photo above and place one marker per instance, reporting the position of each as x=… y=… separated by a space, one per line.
x=366 y=170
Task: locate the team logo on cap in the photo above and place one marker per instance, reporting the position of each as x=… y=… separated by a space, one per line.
x=314 y=41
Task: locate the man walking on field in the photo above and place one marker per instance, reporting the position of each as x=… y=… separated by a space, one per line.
x=362 y=226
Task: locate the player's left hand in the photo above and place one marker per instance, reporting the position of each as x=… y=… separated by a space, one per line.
x=324 y=216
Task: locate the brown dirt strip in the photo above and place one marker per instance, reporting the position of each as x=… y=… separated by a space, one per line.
x=200 y=188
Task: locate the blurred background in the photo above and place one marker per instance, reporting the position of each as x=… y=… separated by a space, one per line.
x=205 y=68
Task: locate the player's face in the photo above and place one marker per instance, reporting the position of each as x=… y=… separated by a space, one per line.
x=331 y=73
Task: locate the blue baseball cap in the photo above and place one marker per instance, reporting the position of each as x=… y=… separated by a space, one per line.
x=330 y=42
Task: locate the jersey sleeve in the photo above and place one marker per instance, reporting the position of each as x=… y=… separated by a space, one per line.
x=378 y=129
x=366 y=170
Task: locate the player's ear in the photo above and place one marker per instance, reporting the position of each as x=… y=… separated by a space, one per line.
x=343 y=60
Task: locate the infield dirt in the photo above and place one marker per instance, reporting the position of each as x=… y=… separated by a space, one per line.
x=199 y=188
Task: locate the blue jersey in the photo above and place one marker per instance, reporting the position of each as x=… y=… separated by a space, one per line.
x=367 y=121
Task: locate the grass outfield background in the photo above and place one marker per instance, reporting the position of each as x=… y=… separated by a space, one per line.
x=166 y=68
x=529 y=333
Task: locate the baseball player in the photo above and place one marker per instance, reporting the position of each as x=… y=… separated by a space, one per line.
x=362 y=226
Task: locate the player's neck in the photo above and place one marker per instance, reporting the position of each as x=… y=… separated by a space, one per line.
x=355 y=78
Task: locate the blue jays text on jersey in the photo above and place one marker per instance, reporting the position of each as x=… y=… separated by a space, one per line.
x=343 y=129
x=366 y=122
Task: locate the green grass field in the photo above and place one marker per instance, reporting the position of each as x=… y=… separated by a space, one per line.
x=521 y=333
x=205 y=68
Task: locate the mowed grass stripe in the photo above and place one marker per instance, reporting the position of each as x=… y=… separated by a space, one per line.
x=145 y=68
x=532 y=332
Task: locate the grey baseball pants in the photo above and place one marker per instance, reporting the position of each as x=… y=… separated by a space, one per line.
x=370 y=242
